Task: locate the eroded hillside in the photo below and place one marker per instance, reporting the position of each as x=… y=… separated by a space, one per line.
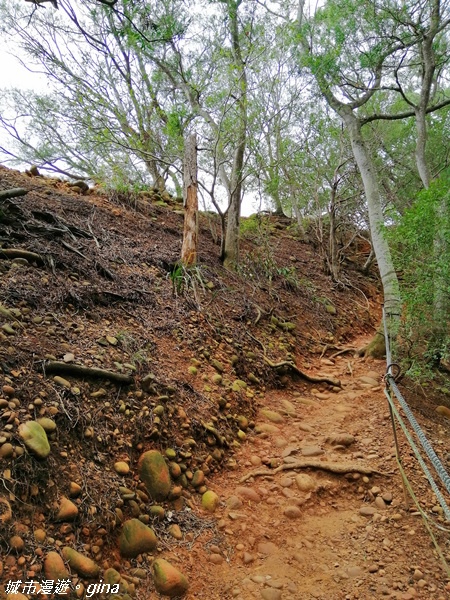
x=188 y=356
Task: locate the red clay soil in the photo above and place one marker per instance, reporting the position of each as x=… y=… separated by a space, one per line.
x=200 y=349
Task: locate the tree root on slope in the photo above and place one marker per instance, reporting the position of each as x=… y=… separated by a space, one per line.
x=290 y=365
x=343 y=351
x=81 y=371
x=19 y=253
x=338 y=468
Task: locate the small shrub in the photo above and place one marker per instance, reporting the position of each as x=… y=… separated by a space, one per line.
x=421 y=248
x=250 y=226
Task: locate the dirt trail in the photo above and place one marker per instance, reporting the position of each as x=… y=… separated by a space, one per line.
x=343 y=537
x=104 y=297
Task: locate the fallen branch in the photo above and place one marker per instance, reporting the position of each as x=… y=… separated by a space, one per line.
x=339 y=468
x=19 y=253
x=104 y=272
x=93 y=236
x=12 y=193
x=287 y=363
x=81 y=371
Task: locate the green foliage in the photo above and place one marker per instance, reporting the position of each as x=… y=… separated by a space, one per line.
x=178 y=280
x=250 y=226
x=187 y=281
x=124 y=192
x=174 y=125
x=289 y=278
x=421 y=245
x=260 y=264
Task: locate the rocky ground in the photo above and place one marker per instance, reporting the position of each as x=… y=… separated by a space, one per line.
x=309 y=533
x=164 y=430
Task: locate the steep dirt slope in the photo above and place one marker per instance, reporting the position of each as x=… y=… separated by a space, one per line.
x=190 y=358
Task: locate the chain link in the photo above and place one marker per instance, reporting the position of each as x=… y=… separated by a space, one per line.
x=390 y=378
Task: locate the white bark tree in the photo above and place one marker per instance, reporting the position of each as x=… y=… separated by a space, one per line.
x=190 y=198
x=348 y=90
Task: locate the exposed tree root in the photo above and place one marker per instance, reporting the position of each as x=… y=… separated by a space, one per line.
x=19 y=253
x=339 y=468
x=72 y=249
x=290 y=365
x=340 y=350
x=80 y=371
x=311 y=378
x=376 y=348
x=259 y=315
x=343 y=351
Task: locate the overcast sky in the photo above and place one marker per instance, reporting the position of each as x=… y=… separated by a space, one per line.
x=14 y=74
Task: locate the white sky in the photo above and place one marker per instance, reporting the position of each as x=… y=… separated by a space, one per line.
x=14 y=74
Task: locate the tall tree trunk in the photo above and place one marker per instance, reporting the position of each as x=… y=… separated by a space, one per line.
x=299 y=217
x=333 y=253
x=428 y=68
x=366 y=168
x=391 y=289
x=273 y=172
x=277 y=202
x=176 y=183
x=158 y=180
x=190 y=197
x=231 y=248
x=421 y=144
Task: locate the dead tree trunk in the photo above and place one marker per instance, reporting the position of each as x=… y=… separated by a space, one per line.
x=190 y=197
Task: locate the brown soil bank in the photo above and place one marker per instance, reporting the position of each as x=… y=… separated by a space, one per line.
x=132 y=388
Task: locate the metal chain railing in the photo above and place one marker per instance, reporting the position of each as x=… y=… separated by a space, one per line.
x=391 y=386
x=420 y=460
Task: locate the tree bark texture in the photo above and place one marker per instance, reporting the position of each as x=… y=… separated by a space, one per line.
x=369 y=178
x=333 y=254
x=231 y=248
x=190 y=197
x=428 y=70
x=383 y=255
